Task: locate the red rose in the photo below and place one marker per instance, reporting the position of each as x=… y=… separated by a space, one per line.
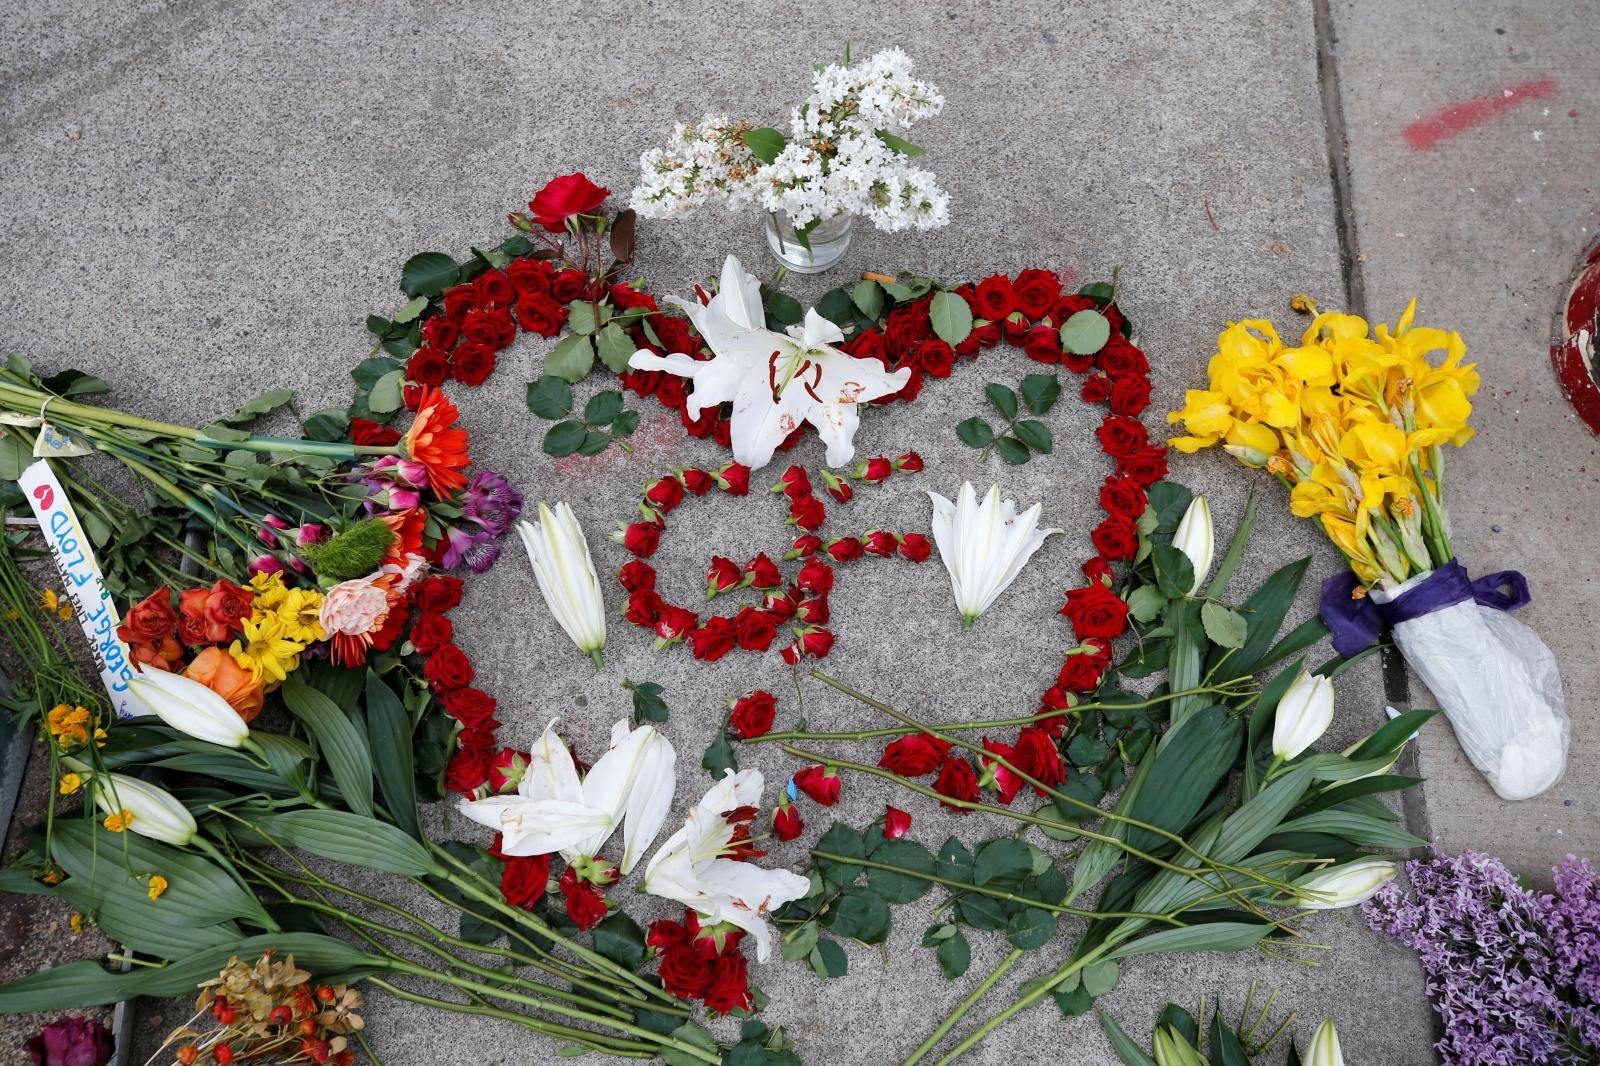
x=1096 y=389
x=683 y=972
x=494 y=289
x=734 y=479
x=437 y=594
x=915 y=755
x=996 y=297
x=722 y=575
x=1145 y=466
x=754 y=629
x=875 y=470
x=366 y=432
x=674 y=623
x=1116 y=538
x=712 y=639
x=958 y=781
x=529 y=276
x=489 y=325
x=818 y=782
x=637 y=576
x=564 y=197
x=473 y=708
x=1097 y=569
x=936 y=358
x=675 y=335
x=1036 y=292
x=626 y=297
x=430 y=632
x=1122 y=497
x=458 y=300
x=896 y=823
x=644 y=608
x=1068 y=305
x=697 y=481
x=1129 y=395
x=665 y=493
x=1120 y=358
x=472 y=363
x=752 y=715
x=441 y=333
x=1121 y=436
x=786 y=821
x=524 y=879
x=538 y=313
x=984 y=336
x=813 y=611
x=427 y=366
x=1005 y=781
x=226 y=608
x=844 y=549
x=671 y=393
x=910 y=463
x=816 y=643
x=642 y=538
x=804 y=547
x=763 y=572
x=568 y=286
x=1096 y=611
x=794 y=483
x=915 y=546
x=448 y=668
x=1043 y=344
x=1082 y=670
x=468 y=769
x=151 y=620
x=1036 y=756
x=780 y=605
x=868 y=344
x=586 y=905
x=881 y=542
x=730 y=984
x=807 y=512
x=815 y=577
x=907 y=327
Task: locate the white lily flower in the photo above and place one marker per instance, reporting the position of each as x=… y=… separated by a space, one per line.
x=1325 y=1049
x=1346 y=885
x=554 y=810
x=190 y=707
x=560 y=556
x=1304 y=714
x=1196 y=539
x=151 y=811
x=984 y=546
x=776 y=381
x=693 y=866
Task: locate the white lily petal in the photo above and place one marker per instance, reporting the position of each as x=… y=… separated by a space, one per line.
x=610 y=783
x=759 y=425
x=740 y=296
x=649 y=800
x=551 y=773
x=984 y=546
x=819 y=331
x=745 y=894
x=535 y=827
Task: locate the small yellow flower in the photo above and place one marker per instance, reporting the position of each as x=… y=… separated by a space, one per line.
x=52 y=876
x=116 y=823
x=70 y=783
x=1302 y=304
x=69 y=725
x=264 y=650
x=158 y=885
x=76 y=922
x=300 y=616
x=50 y=603
x=270 y=591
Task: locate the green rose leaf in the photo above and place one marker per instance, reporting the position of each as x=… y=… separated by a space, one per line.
x=1040 y=392
x=837 y=308
x=954 y=955
x=951 y=318
x=388 y=392
x=648 y=706
x=868 y=298
x=619 y=939
x=1004 y=400
x=1145 y=603
x=571 y=359
x=1035 y=435
x=1013 y=450
x=1224 y=626
x=829 y=960
x=428 y=274
x=625 y=423
x=975 y=433
x=1101 y=977
x=594 y=442
x=1030 y=928
x=1004 y=859
x=718 y=758
x=550 y=397
x=1085 y=332
x=764 y=143
x=414 y=307
x=564 y=438
x=603 y=407
x=616 y=348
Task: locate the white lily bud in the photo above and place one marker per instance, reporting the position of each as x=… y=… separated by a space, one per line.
x=565 y=571
x=1173 y=1049
x=984 y=545
x=152 y=812
x=1196 y=539
x=190 y=707
x=1324 y=1049
x=1344 y=886
x=1304 y=714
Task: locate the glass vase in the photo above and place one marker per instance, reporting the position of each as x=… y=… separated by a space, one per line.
x=828 y=240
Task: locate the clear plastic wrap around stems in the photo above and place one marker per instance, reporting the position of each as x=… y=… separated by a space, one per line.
x=1498 y=684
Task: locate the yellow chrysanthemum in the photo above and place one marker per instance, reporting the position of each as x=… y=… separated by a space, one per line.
x=270 y=591
x=262 y=649
x=157 y=885
x=119 y=821
x=299 y=616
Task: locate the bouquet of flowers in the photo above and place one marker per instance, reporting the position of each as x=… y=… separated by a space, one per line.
x=1353 y=421
x=842 y=155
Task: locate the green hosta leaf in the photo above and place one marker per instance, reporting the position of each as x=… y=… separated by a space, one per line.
x=1040 y=392
x=901 y=887
x=342 y=744
x=603 y=407
x=765 y=143
x=1224 y=626
x=899 y=144
x=951 y=317
x=1085 y=332
x=564 y=438
x=1030 y=928
x=571 y=359
x=954 y=955
x=388 y=392
x=389 y=732
x=428 y=274
x=1004 y=400
x=550 y=397
x=868 y=298
x=975 y=433
x=1035 y=435
x=616 y=348
x=350 y=838
x=1013 y=450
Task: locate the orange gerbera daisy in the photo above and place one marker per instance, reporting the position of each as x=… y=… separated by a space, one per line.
x=434 y=441
x=407 y=526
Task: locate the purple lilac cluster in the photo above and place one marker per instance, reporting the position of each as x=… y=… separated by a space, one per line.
x=488 y=507
x=1513 y=973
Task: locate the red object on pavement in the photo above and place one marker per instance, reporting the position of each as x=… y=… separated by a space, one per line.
x=1574 y=349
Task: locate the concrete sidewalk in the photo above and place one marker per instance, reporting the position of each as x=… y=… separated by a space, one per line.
x=209 y=197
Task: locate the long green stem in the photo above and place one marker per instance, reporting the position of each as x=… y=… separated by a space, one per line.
x=1027 y=999
x=961 y=1009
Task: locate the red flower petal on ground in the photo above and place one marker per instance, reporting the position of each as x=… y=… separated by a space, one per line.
x=895 y=823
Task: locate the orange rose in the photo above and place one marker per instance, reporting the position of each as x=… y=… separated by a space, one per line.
x=216 y=669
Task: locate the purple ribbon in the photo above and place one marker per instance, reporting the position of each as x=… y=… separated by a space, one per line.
x=1356 y=624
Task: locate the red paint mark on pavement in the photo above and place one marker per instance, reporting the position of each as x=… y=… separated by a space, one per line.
x=1458 y=118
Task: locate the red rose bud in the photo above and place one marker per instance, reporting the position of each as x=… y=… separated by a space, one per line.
x=816 y=643
x=637 y=575
x=751 y=716
x=762 y=573
x=640 y=538
x=837 y=487
x=1003 y=780
x=696 y=481
x=722 y=575
x=1036 y=756
x=958 y=781
x=1015 y=326
x=813 y=611
x=820 y=783
x=873 y=471
x=804 y=547
x=895 y=823
x=915 y=755
x=786 y=823
x=506 y=769
x=734 y=479
x=666 y=493
x=673 y=624
x=754 y=629
x=915 y=546
x=880 y=542
x=223 y=1054
x=586 y=904
x=815 y=577
x=780 y=606
x=1096 y=389
x=794 y=483
x=909 y=463
x=1097 y=569
x=806 y=512
x=843 y=549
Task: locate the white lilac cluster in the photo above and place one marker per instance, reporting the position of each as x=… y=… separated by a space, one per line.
x=842 y=155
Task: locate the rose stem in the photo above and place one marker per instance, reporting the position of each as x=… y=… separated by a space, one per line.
x=961 y=1009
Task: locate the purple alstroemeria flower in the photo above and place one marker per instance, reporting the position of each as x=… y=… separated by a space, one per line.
x=475 y=547
x=490 y=501
x=71 y=1041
